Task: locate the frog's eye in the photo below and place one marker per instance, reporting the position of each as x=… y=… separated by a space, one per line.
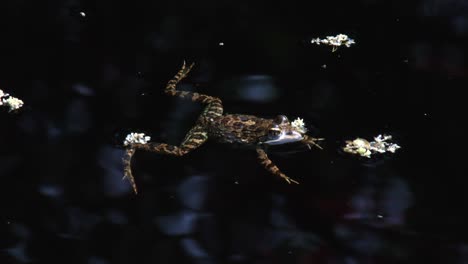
x=281 y=119
x=274 y=132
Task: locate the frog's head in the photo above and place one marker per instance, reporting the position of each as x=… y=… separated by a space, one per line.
x=282 y=131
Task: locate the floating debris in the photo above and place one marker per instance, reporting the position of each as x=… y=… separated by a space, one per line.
x=364 y=148
x=136 y=138
x=335 y=41
x=11 y=102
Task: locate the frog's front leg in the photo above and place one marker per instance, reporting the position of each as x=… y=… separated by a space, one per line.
x=194 y=138
x=268 y=164
x=311 y=141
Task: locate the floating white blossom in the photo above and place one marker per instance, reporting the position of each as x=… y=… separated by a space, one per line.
x=364 y=148
x=335 y=41
x=393 y=147
x=11 y=102
x=299 y=125
x=136 y=138
x=358 y=146
x=381 y=138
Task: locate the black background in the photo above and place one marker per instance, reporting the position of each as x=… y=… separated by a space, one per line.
x=88 y=80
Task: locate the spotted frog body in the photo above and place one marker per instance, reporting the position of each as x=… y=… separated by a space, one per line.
x=252 y=131
x=242 y=130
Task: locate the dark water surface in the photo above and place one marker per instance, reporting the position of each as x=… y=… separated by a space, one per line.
x=92 y=71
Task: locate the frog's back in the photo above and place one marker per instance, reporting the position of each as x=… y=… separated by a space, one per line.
x=239 y=129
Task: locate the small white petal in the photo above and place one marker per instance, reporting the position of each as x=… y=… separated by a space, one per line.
x=335 y=41
x=13 y=103
x=136 y=138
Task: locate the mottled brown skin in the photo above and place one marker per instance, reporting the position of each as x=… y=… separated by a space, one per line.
x=243 y=130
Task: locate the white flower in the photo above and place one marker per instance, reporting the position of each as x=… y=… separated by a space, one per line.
x=2 y=94
x=381 y=138
x=136 y=138
x=13 y=103
x=378 y=147
x=349 y=43
x=364 y=152
x=365 y=148
x=335 y=41
x=341 y=37
x=359 y=146
x=316 y=40
x=360 y=142
x=393 y=147
x=299 y=125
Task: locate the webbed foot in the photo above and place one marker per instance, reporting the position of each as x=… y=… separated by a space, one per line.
x=268 y=164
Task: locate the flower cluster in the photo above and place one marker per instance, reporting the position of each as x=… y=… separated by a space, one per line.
x=12 y=102
x=381 y=145
x=335 y=41
x=136 y=138
x=299 y=125
x=364 y=148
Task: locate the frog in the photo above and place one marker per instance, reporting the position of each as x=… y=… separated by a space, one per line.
x=248 y=131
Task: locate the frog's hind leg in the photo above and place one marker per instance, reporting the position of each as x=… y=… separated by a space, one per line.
x=194 y=138
x=268 y=164
x=214 y=105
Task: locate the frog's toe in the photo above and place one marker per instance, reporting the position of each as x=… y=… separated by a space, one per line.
x=289 y=180
x=293 y=181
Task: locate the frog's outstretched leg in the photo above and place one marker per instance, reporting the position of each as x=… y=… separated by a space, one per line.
x=194 y=138
x=215 y=106
x=268 y=164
